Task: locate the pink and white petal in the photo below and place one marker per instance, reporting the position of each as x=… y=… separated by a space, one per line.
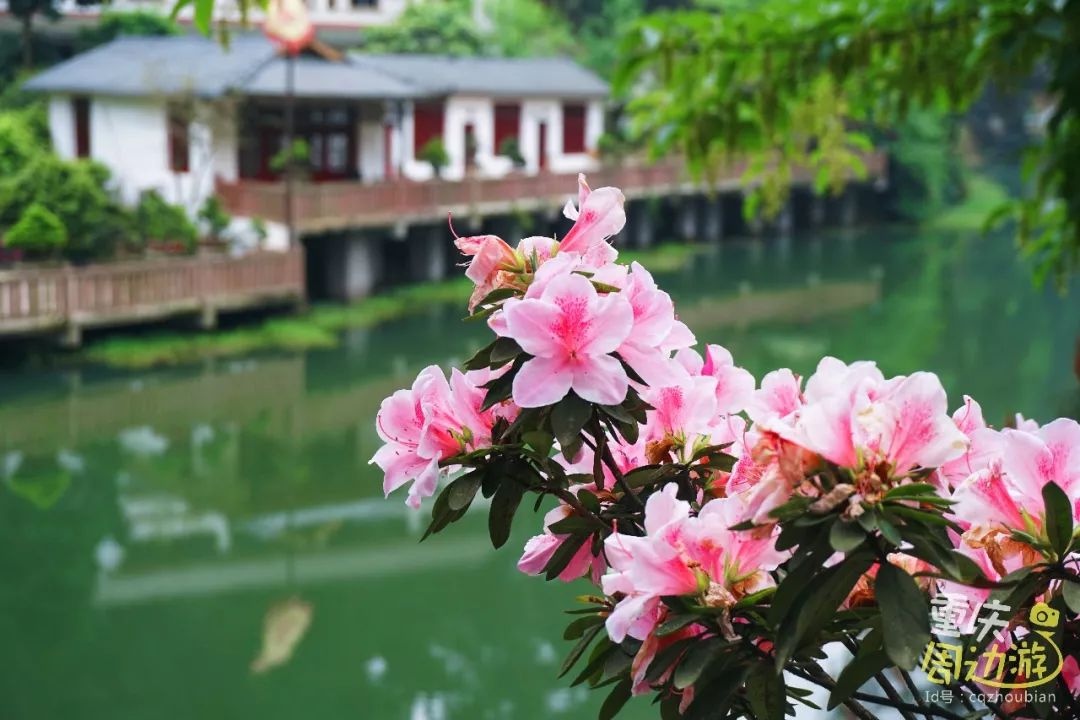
x=825 y=428
x=543 y=381
x=734 y=388
x=984 y=501
x=600 y=379
x=535 y=325
x=679 y=337
x=652 y=365
x=600 y=216
x=779 y=396
x=399 y=464
x=538 y=552
x=609 y=326
x=969 y=417
x=625 y=617
x=425 y=485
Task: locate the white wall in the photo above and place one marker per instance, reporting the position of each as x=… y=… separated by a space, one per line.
x=330 y=13
x=480 y=112
x=130 y=137
x=370 y=143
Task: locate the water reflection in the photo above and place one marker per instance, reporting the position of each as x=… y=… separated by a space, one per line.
x=159 y=530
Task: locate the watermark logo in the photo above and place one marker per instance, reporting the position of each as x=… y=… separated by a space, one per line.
x=962 y=652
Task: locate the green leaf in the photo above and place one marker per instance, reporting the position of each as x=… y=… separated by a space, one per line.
x=697 y=658
x=650 y=475
x=566 y=552
x=503 y=351
x=615 y=700
x=481 y=359
x=908 y=491
x=862 y=667
x=674 y=624
x=846 y=536
x=905 y=616
x=817 y=603
x=765 y=692
x=461 y=492
x=204 y=14
x=577 y=628
x=503 y=507
x=572 y=524
x=1059 y=522
x=568 y=418
x=1070 y=590
x=539 y=440
x=497 y=295
x=579 y=648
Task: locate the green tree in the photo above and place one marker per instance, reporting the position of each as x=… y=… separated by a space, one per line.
x=794 y=82
x=214 y=217
x=116 y=24
x=157 y=220
x=25 y=12
x=38 y=232
x=527 y=28
x=443 y=27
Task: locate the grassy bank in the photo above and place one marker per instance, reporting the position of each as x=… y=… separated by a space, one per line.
x=984 y=195
x=321 y=325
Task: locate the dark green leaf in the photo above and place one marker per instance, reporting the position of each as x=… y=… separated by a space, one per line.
x=674 y=624
x=503 y=506
x=650 y=475
x=908 y=491
x=503 y=351
x=481 y=359
x=572 y=524
x=765 y=692
x=615 y=701
x=1071 y=591
x=566 y=552
x=904 y=613
x=577 y=628
x=846 y=536
x=568 y=418
x=460 y=493
x=863 y=667
x=697 y=658
x=1059 y=522
x=579 y=648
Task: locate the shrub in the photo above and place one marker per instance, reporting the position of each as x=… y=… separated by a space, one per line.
x=78 y=193
x=434 y=152
x=38 y=232
x=158 y=220
x=511 y=148
x=213 y=215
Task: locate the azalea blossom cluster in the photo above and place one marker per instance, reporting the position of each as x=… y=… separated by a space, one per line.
x=683 y=486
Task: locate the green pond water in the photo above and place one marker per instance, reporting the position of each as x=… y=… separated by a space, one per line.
x=153 y=524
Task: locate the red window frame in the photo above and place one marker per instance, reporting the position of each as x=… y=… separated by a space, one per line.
x=573 y=115
x=179 y=132
x=507 y=123
x=428 y=123
x=80 y=107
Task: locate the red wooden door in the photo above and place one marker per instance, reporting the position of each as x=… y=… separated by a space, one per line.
x=542 y=159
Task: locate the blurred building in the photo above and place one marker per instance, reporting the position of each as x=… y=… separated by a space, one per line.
x=182 y=115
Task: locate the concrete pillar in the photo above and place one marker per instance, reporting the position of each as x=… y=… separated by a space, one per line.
x=354 y=266
x=848 y=207
x=712 y=229
x=71 y=336
x=642 y=231
x=688 y=222
x=208 y=316
x=817 y=211
x=428 y=248
x=785 y=221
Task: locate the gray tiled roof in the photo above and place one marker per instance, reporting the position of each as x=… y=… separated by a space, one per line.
x=157 y=65
x=316 y=78
x=136 y=66
x=553 y=77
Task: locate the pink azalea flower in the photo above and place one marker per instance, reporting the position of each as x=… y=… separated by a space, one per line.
x=684 y=555
x=734 y=385
x=779 y=398
x=430 y=422
x=600 y=215
x=570 y=331
x=540 y=548
x=654 y=320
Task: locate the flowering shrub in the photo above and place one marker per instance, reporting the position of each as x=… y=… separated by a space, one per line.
x=743 y=537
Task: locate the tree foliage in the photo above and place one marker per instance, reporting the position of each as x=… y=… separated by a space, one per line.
x=38 y=232
x=719 y=80
x=441 y=27
x=112 y=25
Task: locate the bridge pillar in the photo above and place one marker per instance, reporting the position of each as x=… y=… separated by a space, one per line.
x=208 y=317
x=71 y=336
x=354 y=265
x=817 y=211
x=849 y=209
x=642 y=225
x=712 y=225
x=427 y=254
x=785 y=221
x=688 y=221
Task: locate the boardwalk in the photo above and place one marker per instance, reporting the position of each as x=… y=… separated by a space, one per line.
x=68 y=299
x=320 y=207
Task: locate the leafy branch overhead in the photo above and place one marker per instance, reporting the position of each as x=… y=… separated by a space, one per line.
x=800 y=83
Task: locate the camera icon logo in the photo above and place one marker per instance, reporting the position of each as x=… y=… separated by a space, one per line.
x=1044 y=616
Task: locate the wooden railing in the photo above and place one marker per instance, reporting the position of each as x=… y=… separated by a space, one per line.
x=42 y=298
x=340 y=205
